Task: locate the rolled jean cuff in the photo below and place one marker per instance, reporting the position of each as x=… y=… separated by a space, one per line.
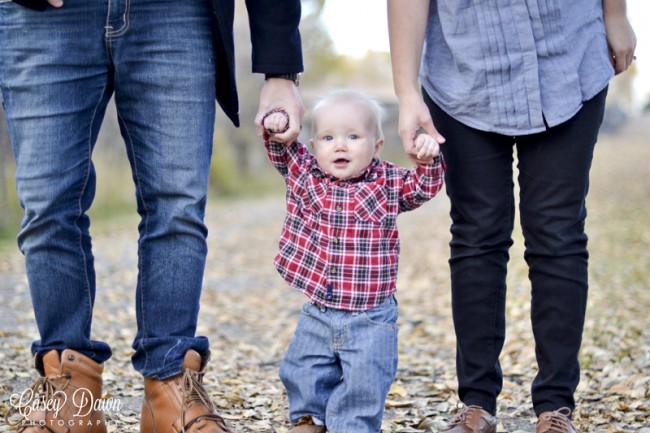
x=162 y=358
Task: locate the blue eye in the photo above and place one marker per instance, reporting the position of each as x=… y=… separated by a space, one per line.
x=328 y=138
x=354 y=137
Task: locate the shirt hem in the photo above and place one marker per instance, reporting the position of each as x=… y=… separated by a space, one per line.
x=335 y=306
x=513 y=132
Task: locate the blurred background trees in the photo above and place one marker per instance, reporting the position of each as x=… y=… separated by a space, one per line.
x=239 y=166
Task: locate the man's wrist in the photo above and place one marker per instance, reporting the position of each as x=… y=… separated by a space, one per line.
x=292 y=76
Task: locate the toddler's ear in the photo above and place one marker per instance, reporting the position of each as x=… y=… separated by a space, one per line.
x=379 y=145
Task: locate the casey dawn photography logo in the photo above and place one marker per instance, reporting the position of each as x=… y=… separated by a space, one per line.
x=45 y=406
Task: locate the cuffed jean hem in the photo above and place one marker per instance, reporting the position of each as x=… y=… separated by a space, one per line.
x=159 y=362
x=100 y=353
x=295 y=417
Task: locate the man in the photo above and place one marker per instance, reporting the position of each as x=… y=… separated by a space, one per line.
x=165 y=62
x=533 y=75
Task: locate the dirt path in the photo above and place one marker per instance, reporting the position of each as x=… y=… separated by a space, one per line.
x=249 y=315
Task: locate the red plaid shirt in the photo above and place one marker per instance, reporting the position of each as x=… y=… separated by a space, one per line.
x=339 y=244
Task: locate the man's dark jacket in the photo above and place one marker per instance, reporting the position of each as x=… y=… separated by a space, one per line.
x=274 y=35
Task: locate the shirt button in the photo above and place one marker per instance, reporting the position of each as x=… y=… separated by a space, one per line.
x=333 y=271
x=343 y=184
x=335 y=240
x=339 y=208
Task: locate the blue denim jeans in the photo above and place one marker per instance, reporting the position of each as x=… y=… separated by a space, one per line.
x=340 y=365
x=58 y=70
x=553 y=181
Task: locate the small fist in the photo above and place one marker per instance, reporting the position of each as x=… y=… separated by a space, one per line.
x=275 y=122
x=426 y=147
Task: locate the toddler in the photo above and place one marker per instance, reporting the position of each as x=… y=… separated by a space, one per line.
x=340 y=247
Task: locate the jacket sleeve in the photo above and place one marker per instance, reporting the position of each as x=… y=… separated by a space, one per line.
x=39 y=5
x=275 y=36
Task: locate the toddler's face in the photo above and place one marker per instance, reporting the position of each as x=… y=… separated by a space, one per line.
x=345 y=138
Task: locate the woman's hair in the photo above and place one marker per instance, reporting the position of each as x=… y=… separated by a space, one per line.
x=351 y=95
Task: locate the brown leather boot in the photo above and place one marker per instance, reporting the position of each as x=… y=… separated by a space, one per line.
x=180 y=403
x=62 y=401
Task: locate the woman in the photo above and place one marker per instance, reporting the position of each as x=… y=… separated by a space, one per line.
x=531 y=75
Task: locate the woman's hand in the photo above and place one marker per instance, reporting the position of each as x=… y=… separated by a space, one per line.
x=621 y=40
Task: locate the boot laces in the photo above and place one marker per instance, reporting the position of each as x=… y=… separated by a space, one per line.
x=44 y=389
x=193 y=390
x=194 y=393
x=559 y=421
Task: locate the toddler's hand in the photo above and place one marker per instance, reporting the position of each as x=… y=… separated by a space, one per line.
x=275 y=122
x=426 y=147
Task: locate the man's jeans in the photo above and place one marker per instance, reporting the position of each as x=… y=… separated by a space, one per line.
x=58 y=70
x=340 y=365
x=553 y=180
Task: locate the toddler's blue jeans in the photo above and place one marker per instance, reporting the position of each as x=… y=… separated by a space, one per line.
x=340 y=365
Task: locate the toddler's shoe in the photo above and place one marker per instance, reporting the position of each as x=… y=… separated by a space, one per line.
x=307 y=425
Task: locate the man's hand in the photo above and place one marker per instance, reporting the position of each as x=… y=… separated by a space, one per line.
x=275 y=122
x=279 y=93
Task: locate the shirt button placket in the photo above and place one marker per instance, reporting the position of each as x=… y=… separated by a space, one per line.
x=333 y=270
x=336 y=241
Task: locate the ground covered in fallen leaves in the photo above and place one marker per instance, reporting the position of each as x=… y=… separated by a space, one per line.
x=249 y=314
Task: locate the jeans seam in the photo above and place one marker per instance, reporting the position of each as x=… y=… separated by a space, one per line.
x=107 y=40
x=129 y=144
x=80 y=211
x=125 y=26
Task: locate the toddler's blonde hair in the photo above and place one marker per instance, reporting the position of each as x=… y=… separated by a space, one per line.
x=351 y=95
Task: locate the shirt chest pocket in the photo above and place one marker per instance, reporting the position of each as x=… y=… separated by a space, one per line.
x=371 y=203
x=307 y=193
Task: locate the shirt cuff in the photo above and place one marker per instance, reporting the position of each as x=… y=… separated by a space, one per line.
x=436 y=164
